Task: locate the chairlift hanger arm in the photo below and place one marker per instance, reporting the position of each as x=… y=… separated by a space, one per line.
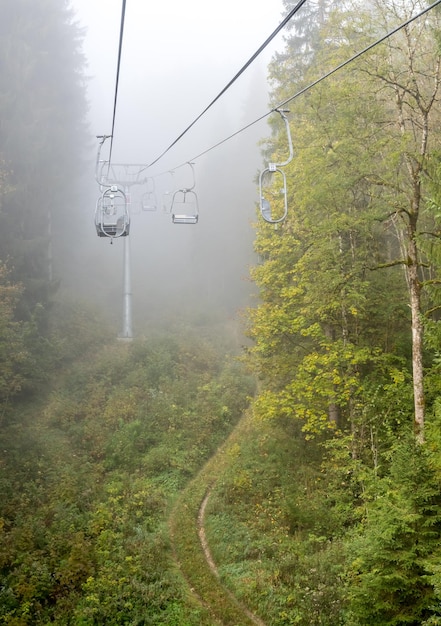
x=274 y=170
x=186 y=189
x=288 y=132
x=98 y=157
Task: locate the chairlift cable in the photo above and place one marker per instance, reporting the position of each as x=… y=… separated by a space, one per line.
x=316 y=82
x=233 y=80
x=357 y=55
x=121 y=35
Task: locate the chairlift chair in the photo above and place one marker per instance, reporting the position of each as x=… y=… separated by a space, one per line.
x=270 y=211
x=270 y=208
x=148 y=199
x=111 y=215
x=184 y=207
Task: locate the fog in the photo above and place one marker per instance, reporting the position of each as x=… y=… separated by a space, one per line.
x=176 y=58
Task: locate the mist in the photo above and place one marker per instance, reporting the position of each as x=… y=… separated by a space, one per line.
x=177 y=271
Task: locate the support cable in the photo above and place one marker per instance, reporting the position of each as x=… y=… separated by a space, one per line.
x=121 y=35
x=239 y=73
x=359 y=54
x=314 y=83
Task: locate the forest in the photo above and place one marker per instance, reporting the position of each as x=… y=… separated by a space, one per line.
x=186 y=478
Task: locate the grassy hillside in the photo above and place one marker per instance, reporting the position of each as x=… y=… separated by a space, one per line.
x=133 y=458
x=90 y=472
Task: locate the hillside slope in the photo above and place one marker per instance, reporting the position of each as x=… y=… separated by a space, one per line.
x=89 y=476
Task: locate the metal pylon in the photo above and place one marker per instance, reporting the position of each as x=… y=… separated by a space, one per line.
x=127 y=329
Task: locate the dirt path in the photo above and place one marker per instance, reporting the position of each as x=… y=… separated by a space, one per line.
x=190 y=546
x=203 y=537
x=212 y=565
x=194 y=592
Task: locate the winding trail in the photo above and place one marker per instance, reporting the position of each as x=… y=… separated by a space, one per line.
x=212 y=565
x=203 y=537
x=190 y=547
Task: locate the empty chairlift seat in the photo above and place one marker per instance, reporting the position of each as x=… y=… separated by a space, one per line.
x=148 y=199
x=184 y=208
x=272 y=184
x=273 y=195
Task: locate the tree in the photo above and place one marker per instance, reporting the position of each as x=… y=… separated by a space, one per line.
x=408 y=68
x=42 y=107
x=326 y=321
x=330 y=322
x=389 y=580
x=14 y=357
x=304 y=39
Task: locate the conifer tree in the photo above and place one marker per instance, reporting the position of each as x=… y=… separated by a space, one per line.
x=42 y=108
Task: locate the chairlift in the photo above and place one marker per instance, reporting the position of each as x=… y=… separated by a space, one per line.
x=148 y=199
x=273 y=195
x=167 y=199
x=167 y=196
x=112 y=216
x=100 y=176
x=184 y=206
x=272 y=182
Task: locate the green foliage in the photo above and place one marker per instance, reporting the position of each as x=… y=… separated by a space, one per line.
x=321 y=509
x=13 y=353
x=333 y=320
x=326 y=321
x=223 y=607
x=269 y=524
x=389 y=579
x=332 y=347
x=90 y=473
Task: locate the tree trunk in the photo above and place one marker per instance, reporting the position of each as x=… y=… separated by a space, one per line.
x=417 y=339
